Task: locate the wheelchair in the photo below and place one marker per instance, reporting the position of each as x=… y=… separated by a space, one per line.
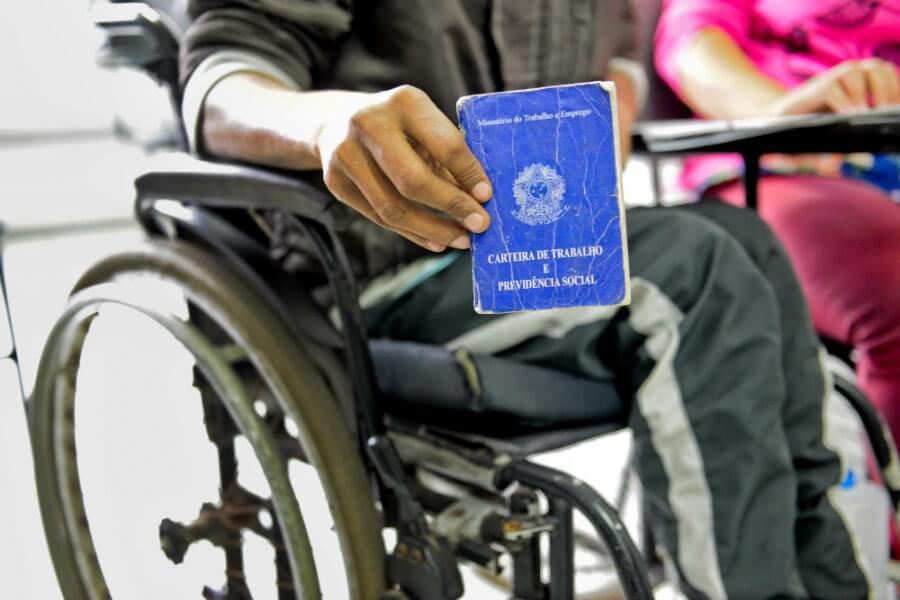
x=432 y=444
x=387 y=425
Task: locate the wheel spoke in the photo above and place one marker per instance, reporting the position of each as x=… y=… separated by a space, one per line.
x=244 y=353
x=221 y=377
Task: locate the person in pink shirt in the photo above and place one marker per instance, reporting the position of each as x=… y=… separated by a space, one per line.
x=731 y=59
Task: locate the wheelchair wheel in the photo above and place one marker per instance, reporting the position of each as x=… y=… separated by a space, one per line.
x=270 y=353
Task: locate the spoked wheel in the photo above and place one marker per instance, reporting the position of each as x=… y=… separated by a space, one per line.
x=244 y=354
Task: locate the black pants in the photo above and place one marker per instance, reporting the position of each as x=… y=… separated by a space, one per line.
x=718 y=353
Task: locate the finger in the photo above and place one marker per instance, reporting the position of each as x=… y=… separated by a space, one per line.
x=415 y=180
x=431 y=128
x=882 y=81
x=396 y=211
x=854 y=84
x=837 y=100
x=438 y=169
x=347 y=192
x=875 y=83
x=892 y=77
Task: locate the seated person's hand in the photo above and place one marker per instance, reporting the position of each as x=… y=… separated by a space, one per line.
x=851 y=86
x=393 y=156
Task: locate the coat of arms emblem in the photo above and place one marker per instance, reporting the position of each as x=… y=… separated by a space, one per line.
x=539 y=191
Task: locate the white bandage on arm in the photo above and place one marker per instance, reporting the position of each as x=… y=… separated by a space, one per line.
x=211 y=71
x=635 y=71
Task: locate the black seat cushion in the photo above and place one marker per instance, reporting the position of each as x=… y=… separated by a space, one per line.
x=431 y=385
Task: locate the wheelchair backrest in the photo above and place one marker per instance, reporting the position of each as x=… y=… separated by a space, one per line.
x=142 y=35
x=145 y=36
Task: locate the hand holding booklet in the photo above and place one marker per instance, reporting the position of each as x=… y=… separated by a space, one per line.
x=557 y=234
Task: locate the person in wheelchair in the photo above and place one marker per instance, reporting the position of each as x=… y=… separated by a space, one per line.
x=716 y=350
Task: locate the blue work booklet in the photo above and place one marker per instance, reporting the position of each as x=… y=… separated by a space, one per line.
x=557 y=234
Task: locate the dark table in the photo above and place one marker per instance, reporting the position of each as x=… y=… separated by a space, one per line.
x=875 y=131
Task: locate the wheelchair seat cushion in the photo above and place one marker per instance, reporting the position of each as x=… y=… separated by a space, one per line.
x=484 y=393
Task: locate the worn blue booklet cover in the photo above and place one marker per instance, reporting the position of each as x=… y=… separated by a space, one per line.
x=557 y=234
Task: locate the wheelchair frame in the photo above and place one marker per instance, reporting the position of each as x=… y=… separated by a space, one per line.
x=397 y=499
x=186 y=204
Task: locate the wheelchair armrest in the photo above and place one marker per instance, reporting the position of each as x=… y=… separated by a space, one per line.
x=184 y=178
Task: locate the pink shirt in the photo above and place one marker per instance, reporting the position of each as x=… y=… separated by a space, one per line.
x=788 y=40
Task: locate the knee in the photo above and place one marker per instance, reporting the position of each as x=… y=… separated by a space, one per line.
x=697 y=259
x=880 y=259
x=681 y=231
x=753 y=234
x=873 y=300
x=856 y=297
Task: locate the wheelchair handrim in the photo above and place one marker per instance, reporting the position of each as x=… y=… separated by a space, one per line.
x=327 y=445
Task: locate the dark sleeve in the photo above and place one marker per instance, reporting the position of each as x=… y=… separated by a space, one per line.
x=298 y=36
x=626 y=46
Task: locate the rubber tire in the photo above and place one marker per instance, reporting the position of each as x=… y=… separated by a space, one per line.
x=285 y=366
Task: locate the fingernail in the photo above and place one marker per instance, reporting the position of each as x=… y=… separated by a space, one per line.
x=462 y=242
x=482 y=191
x=474 y=222
x=435 y=247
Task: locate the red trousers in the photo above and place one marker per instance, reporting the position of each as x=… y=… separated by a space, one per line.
x=843 y=237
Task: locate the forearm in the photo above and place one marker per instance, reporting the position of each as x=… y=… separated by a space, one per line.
x=718 y=80
x=285 y=132
x=393 y=156
x=250 y=117
x=627 y=101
